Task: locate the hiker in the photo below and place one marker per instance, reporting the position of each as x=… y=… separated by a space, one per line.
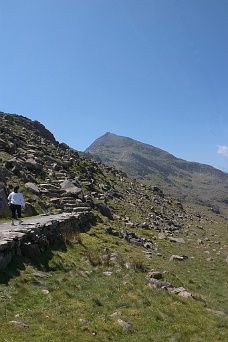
x=16 y=200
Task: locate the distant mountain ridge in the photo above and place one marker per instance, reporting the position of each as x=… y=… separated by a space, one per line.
x=189 y=181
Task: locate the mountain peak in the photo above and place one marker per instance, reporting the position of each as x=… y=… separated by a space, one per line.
x=184 y=180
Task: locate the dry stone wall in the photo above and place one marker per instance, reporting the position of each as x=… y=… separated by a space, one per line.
x=31 y=240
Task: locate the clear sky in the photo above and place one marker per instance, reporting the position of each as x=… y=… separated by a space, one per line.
x=152 y=70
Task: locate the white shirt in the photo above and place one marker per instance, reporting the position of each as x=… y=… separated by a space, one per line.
x=16 y=198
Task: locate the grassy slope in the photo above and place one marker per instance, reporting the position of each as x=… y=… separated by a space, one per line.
x=73 y=274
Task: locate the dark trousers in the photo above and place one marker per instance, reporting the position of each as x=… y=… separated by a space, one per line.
x=15 y=208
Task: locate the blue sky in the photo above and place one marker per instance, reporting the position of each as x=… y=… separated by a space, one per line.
x=152 y=70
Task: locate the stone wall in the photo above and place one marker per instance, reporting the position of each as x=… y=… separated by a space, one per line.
x=32 y=240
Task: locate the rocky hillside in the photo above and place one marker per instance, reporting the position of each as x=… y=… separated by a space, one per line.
x=190 y=182
x=51 y=175
x=55 y=178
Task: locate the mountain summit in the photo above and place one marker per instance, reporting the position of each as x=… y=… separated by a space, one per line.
x=187 y=181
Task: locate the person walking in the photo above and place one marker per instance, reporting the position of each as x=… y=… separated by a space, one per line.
x=16 y=201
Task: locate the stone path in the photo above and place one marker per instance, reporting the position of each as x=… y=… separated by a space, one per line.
x=6 y=227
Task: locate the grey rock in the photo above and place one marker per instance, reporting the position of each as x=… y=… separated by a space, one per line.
x=30 y=209
x=3 y=198
x=123 y=324
x=162 y=236
x=154 y=274
x=31 y=164
x=19 y=324
x=83 y=321
x=32 y=188
x=181 y=291
x=68 y=186
x=105 y=210
x=116 y=313
x=157 y=283
x=178 y=257
x=178 y=239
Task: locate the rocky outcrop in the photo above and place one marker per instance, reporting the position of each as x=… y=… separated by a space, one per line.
x=30 y=156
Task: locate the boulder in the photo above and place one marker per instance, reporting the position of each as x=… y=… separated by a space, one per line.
x=123 y=324
x=181 y=291
x=31 y=187
x=30 y=209
x=178 y=257
x=31 y=164
x=4 y=173
x=68 y=186
x=3 y=198
x=105 y=210
x=154 y=274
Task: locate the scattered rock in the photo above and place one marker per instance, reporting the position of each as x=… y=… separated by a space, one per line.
x=219 y=313
x=178 y=257
x=180 y=291
x=153 y=280
x=97 y=301
x=154 y=274
x=40 y=275
x=35 y=283
x=19 y=324
x=210 y=259
x=179 y=240
x=45 y=292
x=117 y=313
x=123 y=324
x=83 y=321
x=136 y=240
x=111 y=231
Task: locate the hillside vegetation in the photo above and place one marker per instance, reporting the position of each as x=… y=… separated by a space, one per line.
x=146 y=268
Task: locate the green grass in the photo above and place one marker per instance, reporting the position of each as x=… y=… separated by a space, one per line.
x=71 y=286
